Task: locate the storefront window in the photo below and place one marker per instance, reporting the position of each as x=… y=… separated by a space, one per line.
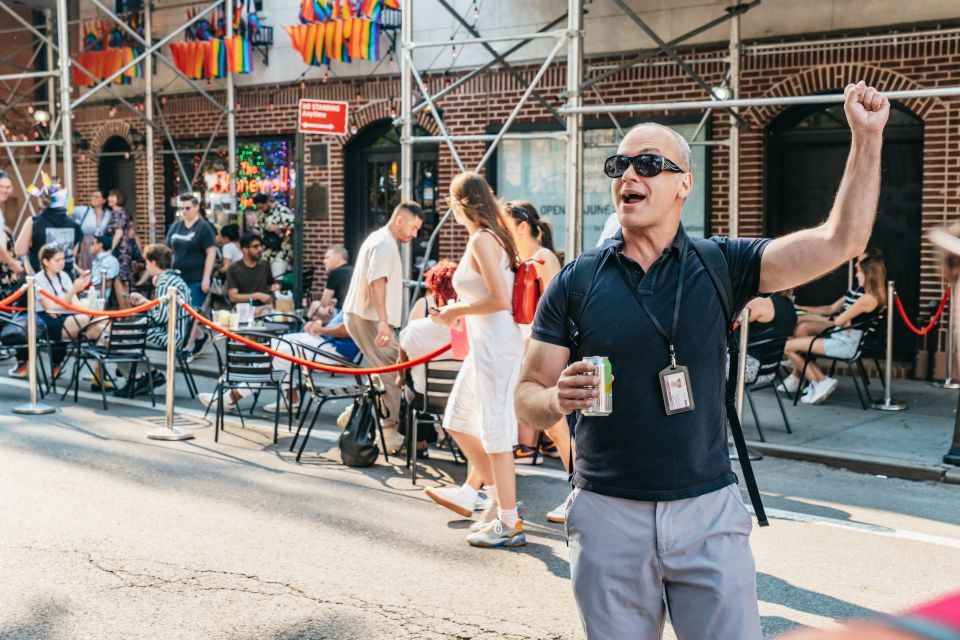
x=534 y=170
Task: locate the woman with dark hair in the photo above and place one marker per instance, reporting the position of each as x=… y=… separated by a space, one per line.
x=94 y=220
x=119 y=228
x=480 y=414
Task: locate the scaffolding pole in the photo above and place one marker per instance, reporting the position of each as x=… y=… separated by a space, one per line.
x=148 y=113
x=232 y=128
x=406 y=135
x=51 y=83
x=66 y=120
x=574 y=194
x=733 y=150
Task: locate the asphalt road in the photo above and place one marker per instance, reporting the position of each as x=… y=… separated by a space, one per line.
x=109 y=535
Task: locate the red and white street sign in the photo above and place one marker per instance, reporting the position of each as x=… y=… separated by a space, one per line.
x=322 y=116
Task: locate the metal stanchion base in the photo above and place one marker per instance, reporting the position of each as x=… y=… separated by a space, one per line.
x=946 y=384
x=893 y=405
x=169 y=434
x=733 y=455
x=952 y=457
x=34 y=409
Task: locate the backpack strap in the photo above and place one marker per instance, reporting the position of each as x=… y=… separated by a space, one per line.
x=585 y=269
x=719 y=272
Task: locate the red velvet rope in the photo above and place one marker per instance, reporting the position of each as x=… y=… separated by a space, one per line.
x=13 y=297
x=933 y=320
x=349 y=371
x=146 y=306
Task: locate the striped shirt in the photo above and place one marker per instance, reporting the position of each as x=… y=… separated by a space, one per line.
x=852 y=296
x=157 y=333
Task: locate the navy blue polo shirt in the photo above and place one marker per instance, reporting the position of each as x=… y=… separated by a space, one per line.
x=639 y=452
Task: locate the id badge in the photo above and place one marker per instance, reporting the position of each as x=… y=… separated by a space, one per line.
x=676 y=390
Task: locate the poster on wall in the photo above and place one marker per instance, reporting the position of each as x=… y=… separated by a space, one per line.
x=263 y=166
x=535 y=170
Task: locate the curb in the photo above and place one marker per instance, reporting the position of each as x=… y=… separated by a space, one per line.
x=860 y=464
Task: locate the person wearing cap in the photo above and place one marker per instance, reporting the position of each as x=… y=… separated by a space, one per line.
x=53 y=226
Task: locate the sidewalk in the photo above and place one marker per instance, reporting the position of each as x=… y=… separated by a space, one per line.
x=839 y=433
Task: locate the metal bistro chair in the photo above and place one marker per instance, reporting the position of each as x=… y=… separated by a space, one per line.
x=870 y=326
x=126 y=343
x=427 y=408
x=185 y=324
x=321 y=393
x=769 y=353
x=294 y=323
x=243 y=367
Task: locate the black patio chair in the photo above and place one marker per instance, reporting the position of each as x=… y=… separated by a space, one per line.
x=428 y=407
x=125 y=343
x=321 y=393
x=769 y=353
x=244 y=367
x=870 y=326
x=294 y=323
x=185 y=323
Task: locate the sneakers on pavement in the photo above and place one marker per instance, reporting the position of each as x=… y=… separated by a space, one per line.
x=452 y=498
x=790 y=384
x=558 y=515
x=273 y=408
x=210 y=400
x=495 y=534
x=820 y=391
x=19 y=371
x=484 y=501
x=523 y=454
x=549 y=448
x=479 y=524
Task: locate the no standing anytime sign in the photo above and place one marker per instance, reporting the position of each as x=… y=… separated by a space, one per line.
x=322 y=116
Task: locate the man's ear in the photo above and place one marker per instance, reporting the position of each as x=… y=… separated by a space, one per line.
x=686 y=186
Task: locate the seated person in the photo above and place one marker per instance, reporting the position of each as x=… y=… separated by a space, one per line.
x=422 y=336
x=332 y=338
x=814 y=319
x=336 y=264
x=249 y=279
x=871 y=277
x=770 y=317
x=158 y=258
x=105 y=264
x=229 y=241
x=61 y=324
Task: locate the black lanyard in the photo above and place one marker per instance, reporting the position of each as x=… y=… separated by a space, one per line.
x=670 y=338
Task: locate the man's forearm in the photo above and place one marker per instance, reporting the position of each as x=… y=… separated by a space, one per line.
x=855 y=208
x=536 y=406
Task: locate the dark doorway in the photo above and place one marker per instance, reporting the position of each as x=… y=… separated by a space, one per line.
x=806 y=150
x=118 y=170
x=372 y=171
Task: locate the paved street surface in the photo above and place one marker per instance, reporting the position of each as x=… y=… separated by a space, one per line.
x=109 y=535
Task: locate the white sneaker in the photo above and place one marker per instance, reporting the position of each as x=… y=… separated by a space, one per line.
x=484 y=501
x=789 y=384
x=821 y=391
x=452 y=498
x=559 y=514
x=394 y=441
x=272 y=408
x=210 y=400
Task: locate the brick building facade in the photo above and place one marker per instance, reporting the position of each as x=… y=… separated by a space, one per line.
x=902 y=59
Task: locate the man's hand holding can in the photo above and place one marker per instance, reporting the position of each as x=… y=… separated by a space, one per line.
x=576 y=388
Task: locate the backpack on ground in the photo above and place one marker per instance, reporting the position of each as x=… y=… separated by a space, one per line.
x=358 y=442
x=585 y=269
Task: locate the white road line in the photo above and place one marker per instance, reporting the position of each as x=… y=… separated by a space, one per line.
x=331 y=435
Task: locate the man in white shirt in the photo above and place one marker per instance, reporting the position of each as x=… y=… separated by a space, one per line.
x=374 y=306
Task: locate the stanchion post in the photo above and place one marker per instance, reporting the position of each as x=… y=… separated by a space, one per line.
x=889 y=404
x=170 y=432
x=949 y=382
x=33 y=408
x=103 y=285
x=741 y=384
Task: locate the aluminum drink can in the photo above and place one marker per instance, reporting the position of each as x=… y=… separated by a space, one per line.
x=602 y=404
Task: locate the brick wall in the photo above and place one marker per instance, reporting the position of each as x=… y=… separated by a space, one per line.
x=810 y=66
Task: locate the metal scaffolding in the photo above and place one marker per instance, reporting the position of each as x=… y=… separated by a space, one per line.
x=60 y=140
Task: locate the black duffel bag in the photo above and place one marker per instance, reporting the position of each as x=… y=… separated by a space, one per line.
x=358 y=441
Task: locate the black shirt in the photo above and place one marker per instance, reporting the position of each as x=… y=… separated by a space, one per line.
x=190 y=246
x=54 y=226
x=249 y=280
x=338 y=281
x=639 y=452
x=783 y=323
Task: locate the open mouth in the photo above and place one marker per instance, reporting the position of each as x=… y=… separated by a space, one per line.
x=633 y=198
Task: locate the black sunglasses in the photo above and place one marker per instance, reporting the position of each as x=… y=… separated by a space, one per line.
x=645 y=164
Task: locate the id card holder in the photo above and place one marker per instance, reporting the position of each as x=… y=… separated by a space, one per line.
x=676 y=390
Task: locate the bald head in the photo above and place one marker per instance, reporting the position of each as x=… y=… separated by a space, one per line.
x=679 y=151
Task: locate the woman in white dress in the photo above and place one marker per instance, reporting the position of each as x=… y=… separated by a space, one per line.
x=480 y=414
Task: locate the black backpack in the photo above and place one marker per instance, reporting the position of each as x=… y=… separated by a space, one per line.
x=585 y=270
x=358 y=441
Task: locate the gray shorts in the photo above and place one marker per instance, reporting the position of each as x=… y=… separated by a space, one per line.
x=631 y=560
